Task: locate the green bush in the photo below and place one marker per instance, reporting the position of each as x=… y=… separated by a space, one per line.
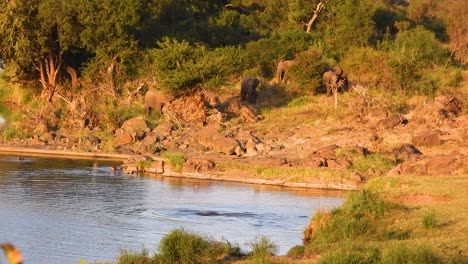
x=176 y=160
x=183 y=247
x=180 y=65
x=412 y=51
x=307 y=73
x=373 y=162
x=359 y=217
x=429 y=220
x=296 y=252
x=262 y=250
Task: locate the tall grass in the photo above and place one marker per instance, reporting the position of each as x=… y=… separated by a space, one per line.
x=429 y=220
x=183 y=247
x=262 y=250
x=176 y=160
x=360 y=217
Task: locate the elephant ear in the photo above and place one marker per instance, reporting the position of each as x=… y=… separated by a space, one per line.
x=338 y=70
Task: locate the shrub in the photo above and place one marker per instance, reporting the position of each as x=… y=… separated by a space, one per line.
x=176 y=159
x=180 y=65
x=307 y=73
x=429 y=220
x=262 y=249
x=182 y=247
x=296 y=252
x=413 y=51
x=373 y=162
x=358 y=217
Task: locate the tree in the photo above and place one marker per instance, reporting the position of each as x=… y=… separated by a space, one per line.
x=33 y=36
x=109 y=31
x=347 y=23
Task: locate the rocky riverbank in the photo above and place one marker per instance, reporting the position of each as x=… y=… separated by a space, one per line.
x=223 y=139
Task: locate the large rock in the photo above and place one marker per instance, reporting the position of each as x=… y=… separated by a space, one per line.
x=428 y=139
x=135 y=124
x=122 y=139
x=212 y=139
x=391 y=121
x=407 y=152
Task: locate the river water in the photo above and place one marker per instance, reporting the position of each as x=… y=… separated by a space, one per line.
x=62 y=210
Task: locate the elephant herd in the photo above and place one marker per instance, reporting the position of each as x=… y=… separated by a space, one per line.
x=332 y=79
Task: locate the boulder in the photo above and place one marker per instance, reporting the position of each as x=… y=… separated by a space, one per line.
x=407 y=152
x=427 y=139
x=122 y=139
x=135 y=124
x=212 y=139
x=391 y=121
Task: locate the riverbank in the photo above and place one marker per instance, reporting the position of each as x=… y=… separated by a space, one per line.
x=162 y=166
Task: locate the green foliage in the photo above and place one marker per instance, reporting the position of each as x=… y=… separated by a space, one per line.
x=372 y=162
x=9 y=133
x=262 y=249
x=347 y=23
x=183 y=247
x=180 y=65
x=176 y=159
x=412 y=51
x=358 y=218
x=429 y=220
x=265 y=53
x=142 y=165
x=128 y=257
x=307 y=73
x=296 y=251
x=455 y=81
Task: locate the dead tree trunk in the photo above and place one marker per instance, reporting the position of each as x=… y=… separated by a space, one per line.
x=312 y=19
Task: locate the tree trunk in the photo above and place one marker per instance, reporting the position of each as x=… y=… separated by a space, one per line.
x=73 y=76
x=312 y=19
x=48 y=68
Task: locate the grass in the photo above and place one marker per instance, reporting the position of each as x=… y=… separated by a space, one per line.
x=429 y=220
x=184 y=247
x=262 y=250
x=373 y=162
x=176 y=160
x=292 y=174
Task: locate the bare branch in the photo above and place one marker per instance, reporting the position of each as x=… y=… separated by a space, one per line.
x=312 y=19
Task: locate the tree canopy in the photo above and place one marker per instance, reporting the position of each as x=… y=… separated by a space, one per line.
x=186 y=43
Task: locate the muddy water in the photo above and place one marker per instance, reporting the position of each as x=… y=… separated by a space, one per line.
x=61 y=210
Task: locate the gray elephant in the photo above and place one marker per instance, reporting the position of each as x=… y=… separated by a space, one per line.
x=155 y=100
x=282 y=68
x=248 y=89
x=330 y=78
x=333 y=77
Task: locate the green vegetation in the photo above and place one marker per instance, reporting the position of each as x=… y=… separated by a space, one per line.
x=373 y=162
x=176 y=160
x=182 y=247
x=430 y=220
x=262 y=249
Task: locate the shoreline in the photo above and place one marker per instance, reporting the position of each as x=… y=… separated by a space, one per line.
x=168 y=173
